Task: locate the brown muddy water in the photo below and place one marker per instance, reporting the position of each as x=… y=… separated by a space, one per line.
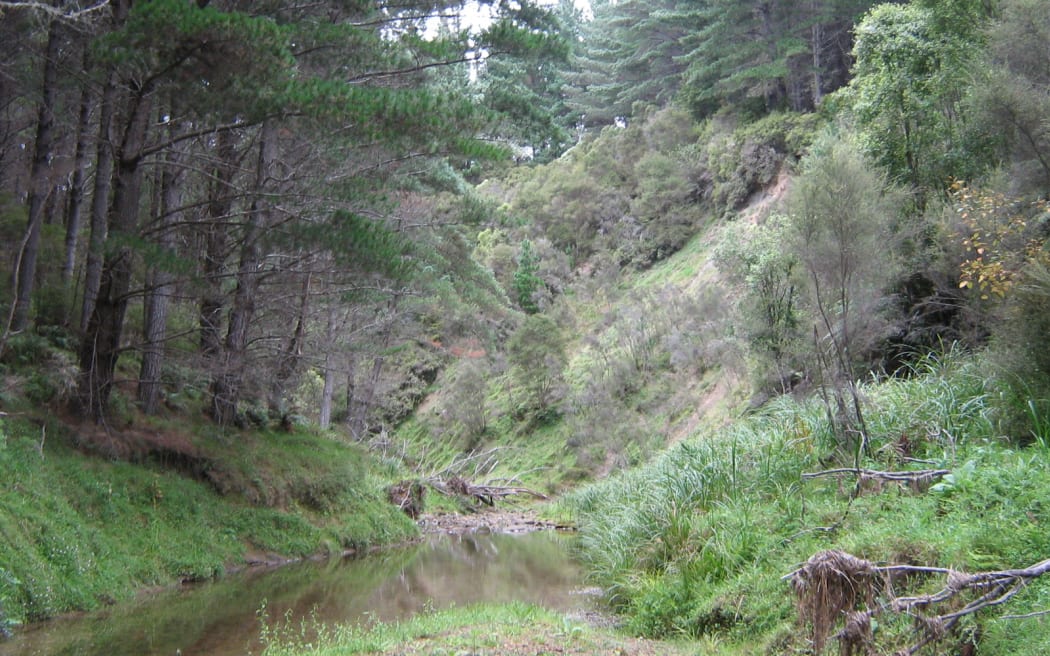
x=223 y=618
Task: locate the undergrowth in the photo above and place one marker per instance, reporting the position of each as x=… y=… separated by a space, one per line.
x=697 y=543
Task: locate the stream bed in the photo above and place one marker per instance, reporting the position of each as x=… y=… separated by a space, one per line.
x=223 y=618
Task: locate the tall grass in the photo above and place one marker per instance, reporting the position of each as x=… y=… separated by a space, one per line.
x=696 y=542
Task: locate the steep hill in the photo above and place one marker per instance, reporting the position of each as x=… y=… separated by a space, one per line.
x=629 y=230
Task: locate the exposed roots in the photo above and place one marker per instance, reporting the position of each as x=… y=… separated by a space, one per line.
x=831 y=585
x=834 y=585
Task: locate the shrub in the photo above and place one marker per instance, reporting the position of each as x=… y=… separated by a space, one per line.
x=1021 y=352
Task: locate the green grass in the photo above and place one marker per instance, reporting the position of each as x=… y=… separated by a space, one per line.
x=482 y=630
x=695 y=544
x=77 y=531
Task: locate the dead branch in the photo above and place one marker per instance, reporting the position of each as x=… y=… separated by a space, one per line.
x=916 y=476
x=487 y=494
x=835 y=585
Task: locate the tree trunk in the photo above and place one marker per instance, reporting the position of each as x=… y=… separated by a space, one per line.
x=75 y=207
x=160 y=281
x=288 y=360
x=817 y=45
x=99 y=202
x=220 y=203
x=324 y=419
x=359 y=417
x=100 y=346
x=351 y=390
x=227 y=384
x=40 y=183
x=104 y=174
x=328 y=390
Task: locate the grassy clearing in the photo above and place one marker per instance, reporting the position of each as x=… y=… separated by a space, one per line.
x=695 y=544
x=484 y=630
x=78 y=531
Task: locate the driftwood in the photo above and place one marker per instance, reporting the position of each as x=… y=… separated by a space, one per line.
x=410 y=495
x=834 y=584
x=487 y=494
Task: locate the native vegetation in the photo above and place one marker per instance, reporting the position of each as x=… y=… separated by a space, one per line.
x=771 y=278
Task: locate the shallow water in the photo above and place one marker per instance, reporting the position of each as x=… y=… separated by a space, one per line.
x=223 y=617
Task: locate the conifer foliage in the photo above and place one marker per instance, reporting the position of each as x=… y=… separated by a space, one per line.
x=248 y=160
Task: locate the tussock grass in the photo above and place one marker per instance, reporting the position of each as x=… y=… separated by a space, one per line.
x=695 y=543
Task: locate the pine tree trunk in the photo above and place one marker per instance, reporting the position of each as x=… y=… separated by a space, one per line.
x=288 y=362
x=328 y=390
x=75 y=207
x=324 y=419
x=40 y=183
x=817 y=45
x=220 y=203
x=100 y=346
x=227 y=384
x=104 y=175
x=359 y=417
x=99 y=202
x=160 y=282
x=351 y=390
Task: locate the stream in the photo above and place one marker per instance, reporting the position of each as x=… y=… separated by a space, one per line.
x=222 y=618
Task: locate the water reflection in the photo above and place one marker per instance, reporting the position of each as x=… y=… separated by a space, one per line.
x=221 y=618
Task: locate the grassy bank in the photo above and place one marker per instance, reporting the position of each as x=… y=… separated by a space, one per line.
x=698 y=544
x=78 y=529
x=485 y=630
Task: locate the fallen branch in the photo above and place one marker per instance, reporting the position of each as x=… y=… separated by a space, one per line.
x=832 y=584
x=917 y=476
x=486 y=494
x=917 y=481
x=998 y=587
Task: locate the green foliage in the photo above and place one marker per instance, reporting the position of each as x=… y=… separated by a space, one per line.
x=1022 y=356
x=914 y=74
x=536 y=352
x=629 y=56
x=526 y=281
x=1016 y=102
x=748 y=157
x=230 y=61
x=634 y=192
x=696 y=542
x=757 y=57
x=770 y=313
x=840 y=230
